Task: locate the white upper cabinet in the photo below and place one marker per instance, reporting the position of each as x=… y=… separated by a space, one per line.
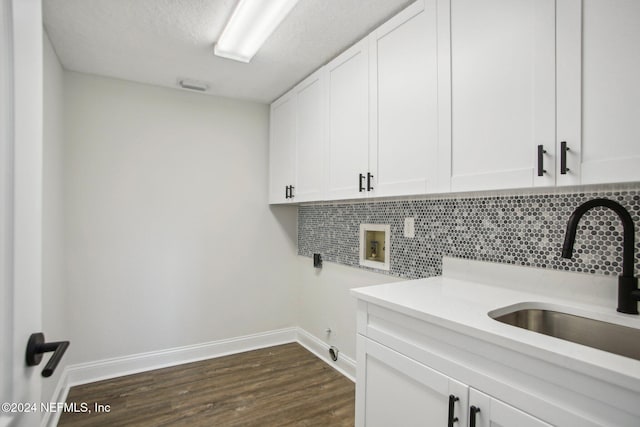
x=347 y=79
x=502 y=93
x=297 y=142
x=383 y=110
x=404 y=102
x=466 y=95
x=310 y=139
x=282 y=149
x=599 y=90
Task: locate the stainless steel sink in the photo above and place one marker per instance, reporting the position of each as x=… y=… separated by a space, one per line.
x=610 y=337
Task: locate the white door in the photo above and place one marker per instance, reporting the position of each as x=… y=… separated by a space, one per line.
x=393 y=390
x=347 y=78
x=282 y=146
x=404 y=102
x=310 y=138
x=20 y=202
x=490 y=412
x=598 y=90
x=503 y=92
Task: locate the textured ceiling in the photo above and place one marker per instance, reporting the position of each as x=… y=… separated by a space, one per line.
x=161 y=41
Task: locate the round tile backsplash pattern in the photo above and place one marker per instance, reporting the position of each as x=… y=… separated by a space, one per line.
x=525 y=230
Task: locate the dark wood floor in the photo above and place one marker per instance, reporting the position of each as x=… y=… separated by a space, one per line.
x=278 y=386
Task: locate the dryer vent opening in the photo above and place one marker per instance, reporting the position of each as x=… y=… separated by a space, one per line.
x=333 y=352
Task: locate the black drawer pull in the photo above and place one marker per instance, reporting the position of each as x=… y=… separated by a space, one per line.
x=360 y=184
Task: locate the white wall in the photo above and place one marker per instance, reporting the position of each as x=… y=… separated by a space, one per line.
x=169 y=238
x=324 y=301
x=53 y=290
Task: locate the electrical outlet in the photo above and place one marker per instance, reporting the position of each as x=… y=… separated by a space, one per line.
x=409 y=228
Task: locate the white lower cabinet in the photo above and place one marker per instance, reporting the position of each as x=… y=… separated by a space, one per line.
x=485 y=411
x=395 y=390
x=398 y=391
x=410 y=370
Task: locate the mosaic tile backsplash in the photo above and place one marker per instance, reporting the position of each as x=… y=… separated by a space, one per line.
x=524 y=230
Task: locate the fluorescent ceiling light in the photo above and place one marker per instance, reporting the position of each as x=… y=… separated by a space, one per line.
x=251 y=23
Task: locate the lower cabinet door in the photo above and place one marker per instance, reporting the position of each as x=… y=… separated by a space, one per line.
x=490 y=412
x=393 y=390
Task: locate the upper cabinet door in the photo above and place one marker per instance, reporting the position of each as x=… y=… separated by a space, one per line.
x=599 y=90
x=282 y=146
x=404 y=102
x=310 y=139
x=347 y=79
x=503 y=93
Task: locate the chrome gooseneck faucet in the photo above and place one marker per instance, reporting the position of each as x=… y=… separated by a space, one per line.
x=628 y=293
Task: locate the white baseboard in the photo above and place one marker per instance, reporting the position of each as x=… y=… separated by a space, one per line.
x=345 y=365
x=110 y=368
x=84 y=373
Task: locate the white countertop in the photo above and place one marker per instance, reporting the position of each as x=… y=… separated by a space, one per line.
x=468 y=290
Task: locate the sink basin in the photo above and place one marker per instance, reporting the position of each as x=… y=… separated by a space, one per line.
x=618 y=339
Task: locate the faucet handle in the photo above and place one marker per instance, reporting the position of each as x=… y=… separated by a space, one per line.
x=628 y=295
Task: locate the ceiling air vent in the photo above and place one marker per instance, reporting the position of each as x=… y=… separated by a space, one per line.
x=193 y=85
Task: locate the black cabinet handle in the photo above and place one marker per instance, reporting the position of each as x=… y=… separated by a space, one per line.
x=360 y=185
x=369 y=176
x=563 y=158
x=36 y=346
x=472 y=415
x=541 y=152
x=288 y=192
x=452 y=419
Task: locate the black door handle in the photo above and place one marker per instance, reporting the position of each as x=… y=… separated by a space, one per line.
x=369 y=176
x=36 y=346
x=472 y=415
x=288 y=192
x=563 y=158
x=360 y=185
x=452 y=419
x=541 y=152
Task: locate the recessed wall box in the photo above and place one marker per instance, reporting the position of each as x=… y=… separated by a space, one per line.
x=375 y=246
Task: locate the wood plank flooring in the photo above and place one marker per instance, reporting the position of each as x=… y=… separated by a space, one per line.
x=284 y=385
